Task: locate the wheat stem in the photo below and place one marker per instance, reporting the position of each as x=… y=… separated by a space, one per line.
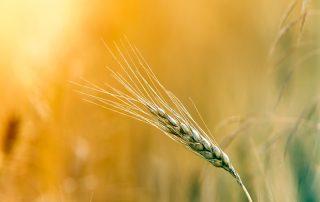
x=246 y=192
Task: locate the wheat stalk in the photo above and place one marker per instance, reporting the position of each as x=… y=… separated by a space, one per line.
x=147 y=100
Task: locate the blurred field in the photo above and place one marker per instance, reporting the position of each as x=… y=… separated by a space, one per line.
x=55 y=147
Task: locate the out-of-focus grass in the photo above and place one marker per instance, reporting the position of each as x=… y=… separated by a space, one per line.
x=67 y=150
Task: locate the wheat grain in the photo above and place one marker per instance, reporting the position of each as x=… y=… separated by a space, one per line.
x=147 y=100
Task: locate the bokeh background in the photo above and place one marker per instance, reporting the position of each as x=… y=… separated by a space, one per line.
x=251 y=67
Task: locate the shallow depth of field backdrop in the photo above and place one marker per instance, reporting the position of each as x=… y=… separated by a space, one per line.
x=260 y=99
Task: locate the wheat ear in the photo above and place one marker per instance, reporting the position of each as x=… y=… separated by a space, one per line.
x=147 y=100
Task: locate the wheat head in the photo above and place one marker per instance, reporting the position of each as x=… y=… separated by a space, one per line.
x=145 y=99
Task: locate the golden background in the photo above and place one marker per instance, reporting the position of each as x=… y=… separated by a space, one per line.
x=55 y=147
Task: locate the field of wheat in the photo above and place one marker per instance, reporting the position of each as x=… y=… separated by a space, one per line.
x=139 y=100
